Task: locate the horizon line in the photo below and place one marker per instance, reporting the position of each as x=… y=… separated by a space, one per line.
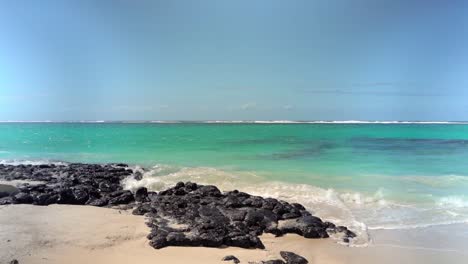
x=243 y=121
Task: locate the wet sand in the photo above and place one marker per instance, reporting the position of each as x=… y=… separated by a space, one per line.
x=60 y=234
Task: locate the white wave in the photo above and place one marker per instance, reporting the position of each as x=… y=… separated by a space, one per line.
x=20 y=121
x=453 y=201
x=252 y=122
x=91 y=121
x=334 y=122
x=356 y=210
x=32 y=162
x=164 y=122
x=326 y=204
x=384 y=122
x=311 y=122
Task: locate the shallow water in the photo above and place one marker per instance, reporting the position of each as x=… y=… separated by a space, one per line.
x=366 y=175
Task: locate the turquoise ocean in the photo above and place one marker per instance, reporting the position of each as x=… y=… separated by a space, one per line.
x=365 y=175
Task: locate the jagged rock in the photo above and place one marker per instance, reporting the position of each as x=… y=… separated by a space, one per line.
x=138 y=176
x=292 y=258
x=14 y=261
x=141 y=194
x=143 y=209
x=23 y=198
x=123 y=197
x=98 y=202
x=6 y=200
x=306 y=226
x=231 y=258
x=80 y=194
x=7 y=190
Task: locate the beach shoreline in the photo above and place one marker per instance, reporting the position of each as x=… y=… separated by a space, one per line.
x=85 y=234
x=45 y=219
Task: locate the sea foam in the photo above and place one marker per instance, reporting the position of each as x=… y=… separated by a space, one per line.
x=359 y=211
x=31 y=162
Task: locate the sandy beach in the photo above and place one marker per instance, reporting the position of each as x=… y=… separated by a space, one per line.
x=86 y=234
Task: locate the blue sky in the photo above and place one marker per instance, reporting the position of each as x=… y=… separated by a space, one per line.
x=231 y=60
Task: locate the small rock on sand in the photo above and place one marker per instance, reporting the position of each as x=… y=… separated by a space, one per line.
x=231 y=257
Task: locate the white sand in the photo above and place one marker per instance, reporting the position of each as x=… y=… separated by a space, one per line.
x=61 y=234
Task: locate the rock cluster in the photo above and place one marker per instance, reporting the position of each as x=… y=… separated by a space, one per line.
x=82 y=184
x=201 y=215
x=289 y=257
x=185 y=215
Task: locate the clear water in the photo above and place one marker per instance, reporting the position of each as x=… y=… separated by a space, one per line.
x=366 y=175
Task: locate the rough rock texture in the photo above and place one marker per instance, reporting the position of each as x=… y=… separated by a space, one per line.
x=274 y=261
x=231 y=258
x=293 y=258
x=185 y=215
x=289 y=257
x=84 y=184
x=197 y=215
x=7 y=190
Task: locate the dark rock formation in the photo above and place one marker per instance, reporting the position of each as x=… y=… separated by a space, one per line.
x=141 y=195
x=274 y=261
x=231 y=258
x=7 y=190
x=289 y=257
x=292 y=258
x=83 y=184
x=196 y=215
x=185 y=215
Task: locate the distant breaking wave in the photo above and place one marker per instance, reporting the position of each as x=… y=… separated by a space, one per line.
x=334 y=122
x=358 y=210
x=250 y=122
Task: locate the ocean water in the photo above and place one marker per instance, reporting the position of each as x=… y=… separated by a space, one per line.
x=364 y=175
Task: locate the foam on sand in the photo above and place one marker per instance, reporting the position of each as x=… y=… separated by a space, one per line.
x=358 y=211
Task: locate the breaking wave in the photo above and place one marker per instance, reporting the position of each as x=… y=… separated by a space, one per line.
x=360 y=212
x=308 y=122
x=31 y=162
x=250 y=122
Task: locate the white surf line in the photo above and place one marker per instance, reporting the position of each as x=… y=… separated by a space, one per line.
x=244 y=122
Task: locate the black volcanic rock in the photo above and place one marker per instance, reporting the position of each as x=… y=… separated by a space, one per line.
x=141 y=194
x=83 y=184
x=121 y=197
x=292 y=258
x=231 y=258
x=7 y=190
x=203 y=216
x=23 y=198
x=138 y=176
x=188 y=214
x=274 y=261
